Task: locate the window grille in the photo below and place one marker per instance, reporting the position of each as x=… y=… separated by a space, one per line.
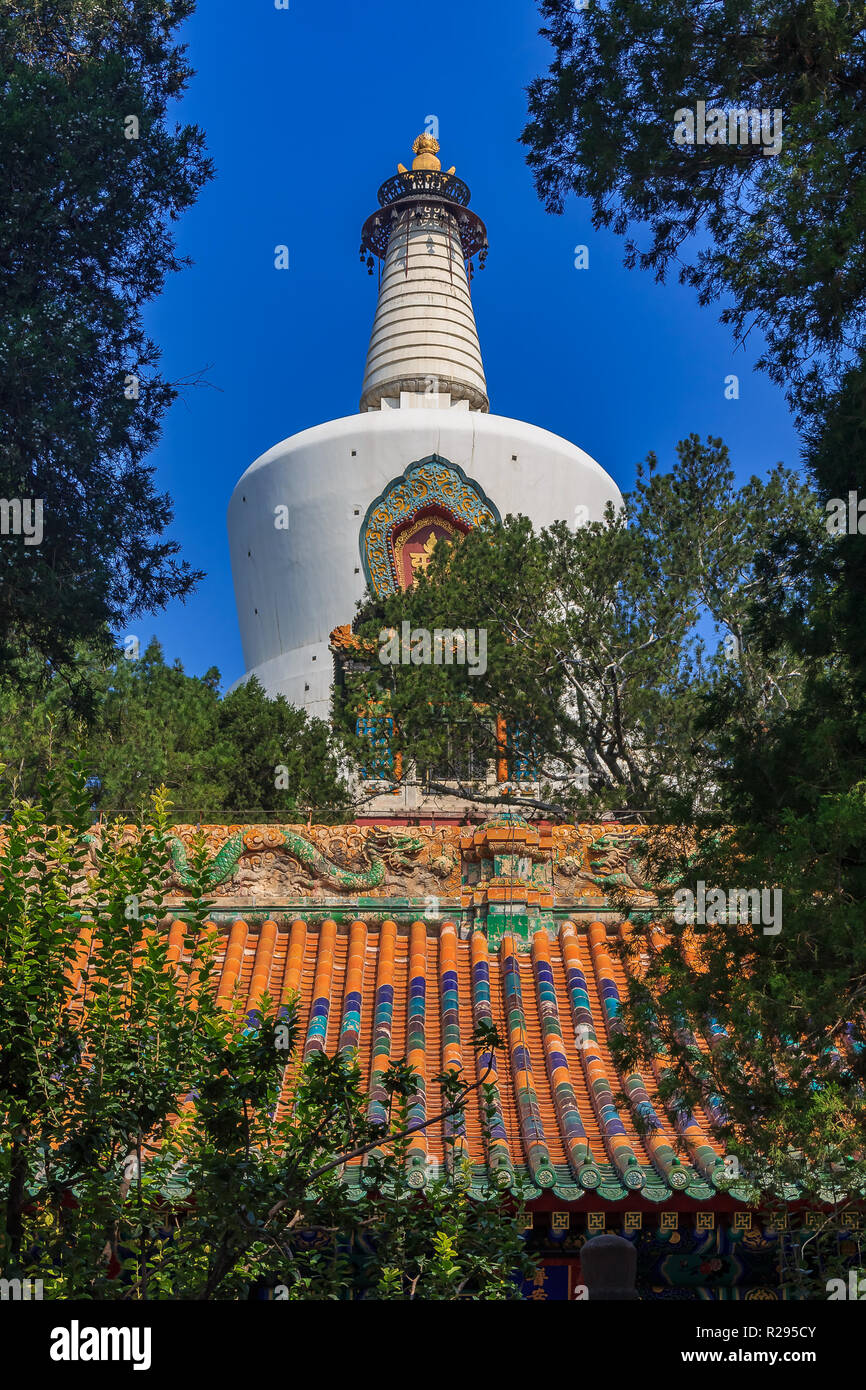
x=377 y=731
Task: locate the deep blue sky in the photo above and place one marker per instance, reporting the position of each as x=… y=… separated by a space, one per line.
x=306 y=112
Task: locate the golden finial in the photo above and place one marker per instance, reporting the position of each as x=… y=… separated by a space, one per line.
x=425 y=149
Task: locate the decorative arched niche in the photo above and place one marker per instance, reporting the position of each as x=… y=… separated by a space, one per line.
x=432 y=501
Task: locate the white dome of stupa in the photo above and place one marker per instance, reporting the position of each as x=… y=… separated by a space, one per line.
x=348 y=504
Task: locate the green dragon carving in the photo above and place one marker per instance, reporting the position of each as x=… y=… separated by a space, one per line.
x=625 y=873
x=221 y=867
x=628 y=875
x=396 y=851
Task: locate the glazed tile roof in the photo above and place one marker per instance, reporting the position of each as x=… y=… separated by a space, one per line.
x=563 y=1118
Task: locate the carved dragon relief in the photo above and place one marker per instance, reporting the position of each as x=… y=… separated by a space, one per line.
x=606 y=861
x=375 y=861
x=591 y=861
x=280 y=863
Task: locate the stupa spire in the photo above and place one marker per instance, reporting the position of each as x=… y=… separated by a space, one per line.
x=424 y=349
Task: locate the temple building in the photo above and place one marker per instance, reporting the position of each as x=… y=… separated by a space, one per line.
x=397 y=942
x=398 y=935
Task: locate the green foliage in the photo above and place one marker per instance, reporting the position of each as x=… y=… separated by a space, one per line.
x=152 y=725
x=786 y=815
x=783 y=1083
x=779 y=241
x=143 y=1151
x=779 y=238
x=85 y=227
x=603 y=643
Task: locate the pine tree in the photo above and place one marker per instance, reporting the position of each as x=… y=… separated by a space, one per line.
x=94 y=175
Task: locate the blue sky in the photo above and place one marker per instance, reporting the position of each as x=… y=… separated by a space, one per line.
x=306 y=112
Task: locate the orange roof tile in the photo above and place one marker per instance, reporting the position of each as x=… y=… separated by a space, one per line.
x=417 y=990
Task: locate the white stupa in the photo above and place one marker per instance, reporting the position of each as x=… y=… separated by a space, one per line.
x=360 y=500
